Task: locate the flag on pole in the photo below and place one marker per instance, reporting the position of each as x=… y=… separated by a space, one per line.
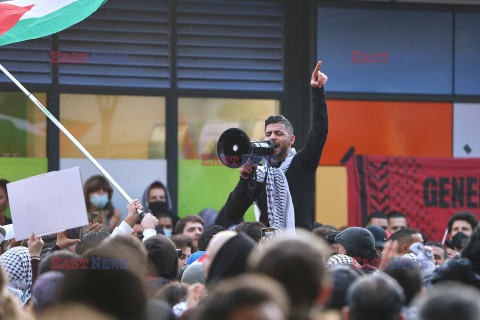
x=29 y=19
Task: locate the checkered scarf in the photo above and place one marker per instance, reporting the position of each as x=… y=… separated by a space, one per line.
x=342 y=259
x=281 y=214
x=16 y=262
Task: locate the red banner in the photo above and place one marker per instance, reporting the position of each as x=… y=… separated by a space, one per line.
x=427 y=190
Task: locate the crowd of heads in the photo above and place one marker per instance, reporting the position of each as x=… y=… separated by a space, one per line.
x=192 y=268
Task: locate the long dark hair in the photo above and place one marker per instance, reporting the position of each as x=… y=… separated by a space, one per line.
x=95 y=183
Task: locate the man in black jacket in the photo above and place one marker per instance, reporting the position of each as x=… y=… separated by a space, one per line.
x=285 y=191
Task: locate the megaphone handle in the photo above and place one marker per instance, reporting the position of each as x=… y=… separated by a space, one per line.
x=252 y=180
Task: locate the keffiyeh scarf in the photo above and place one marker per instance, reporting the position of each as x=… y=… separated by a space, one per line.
x=281 y=214
x=16 y=262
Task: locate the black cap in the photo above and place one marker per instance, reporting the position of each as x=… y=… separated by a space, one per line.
x=379 y=234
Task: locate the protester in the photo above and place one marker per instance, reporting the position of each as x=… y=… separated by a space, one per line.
x=246 y=297
x=343 y=276
x=157 y=201
x=285 y=188
x=460 y=227
x=98 y=198
x=377 y=219
x=115 y=292
x=379 y=235
x=163 y=263
x=10 y=306
x=4 y=203
x=190 y=226
x=185 y=244
x=405 y=238
x=396 y=221
x=46 y=289
x=376 y=297
x=298 y=263
x=253 y=229
x=408 y=275
x=227 y=255
x=17 y=263
x=359 y=244
x=452 y=301
x=439 y=251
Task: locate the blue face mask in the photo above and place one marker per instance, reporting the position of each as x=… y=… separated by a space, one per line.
x=167 y=232
x=99 y=201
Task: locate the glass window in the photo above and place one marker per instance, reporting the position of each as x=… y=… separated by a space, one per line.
x=23 y=127
x=23 y=137
x=113 y=127
x=202 y=181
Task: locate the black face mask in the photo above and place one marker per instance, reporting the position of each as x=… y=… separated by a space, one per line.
x=157 y=207
x=460 y=240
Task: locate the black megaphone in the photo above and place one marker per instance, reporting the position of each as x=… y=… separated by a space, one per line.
x=234 y=148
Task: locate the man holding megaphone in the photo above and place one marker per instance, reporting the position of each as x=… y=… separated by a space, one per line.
x=285 y=190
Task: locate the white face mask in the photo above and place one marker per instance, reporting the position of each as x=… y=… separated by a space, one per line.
x=167 y=232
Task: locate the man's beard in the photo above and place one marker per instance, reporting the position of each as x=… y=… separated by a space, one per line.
x=281 y=154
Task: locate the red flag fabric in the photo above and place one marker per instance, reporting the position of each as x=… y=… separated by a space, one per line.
x=427 y=190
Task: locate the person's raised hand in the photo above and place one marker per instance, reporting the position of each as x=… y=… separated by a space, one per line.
x=149 y=221
x=35 y=245
x=63 y=242
x=318 y=78
x=389 y=252
x=246 y=169
x=132 y=214
x=94 y=227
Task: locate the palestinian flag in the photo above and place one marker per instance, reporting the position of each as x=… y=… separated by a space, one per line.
x=29 y=19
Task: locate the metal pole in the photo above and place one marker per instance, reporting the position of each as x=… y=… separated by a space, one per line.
x=72 y=138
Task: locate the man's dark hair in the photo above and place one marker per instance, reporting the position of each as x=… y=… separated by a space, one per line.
x=253 y=229
x=376 y=297
x=280 y=119
x=183 y=242
x=240 y=292
x=207 y=235
x=439 y=245
x=173 y=293
x=395 y=214
x=375 y=215
x=468 y=216
x=116 y=292
x=343 y=277
x=162 y=256
x=408 y=276
x=322 y=232
x=90 y=241
x=452 y=301
x=403 y=234
x=183 y=222
x=472 y=251
x=297 y=262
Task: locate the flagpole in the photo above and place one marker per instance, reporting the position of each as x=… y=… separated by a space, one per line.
x=72 y=138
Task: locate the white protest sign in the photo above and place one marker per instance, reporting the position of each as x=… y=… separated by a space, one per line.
x=47 y=203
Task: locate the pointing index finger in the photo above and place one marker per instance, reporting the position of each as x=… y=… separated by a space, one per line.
x=317 y=67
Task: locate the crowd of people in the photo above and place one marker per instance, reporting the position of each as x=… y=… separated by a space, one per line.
x=212 y=271
x=214 y=266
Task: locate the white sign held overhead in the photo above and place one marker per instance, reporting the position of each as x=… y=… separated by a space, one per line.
x=47 y=203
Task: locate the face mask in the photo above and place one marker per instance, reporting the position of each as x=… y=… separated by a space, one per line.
x=168 y=233
x=157 y=207
x=459 y=240
x=99 y=201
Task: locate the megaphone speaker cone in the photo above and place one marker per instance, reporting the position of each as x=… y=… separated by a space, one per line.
x=234 y=148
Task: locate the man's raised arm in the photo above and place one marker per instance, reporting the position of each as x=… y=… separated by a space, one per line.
x=317 y=134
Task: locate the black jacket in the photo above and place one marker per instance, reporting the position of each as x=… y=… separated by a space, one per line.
x=300 y=175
